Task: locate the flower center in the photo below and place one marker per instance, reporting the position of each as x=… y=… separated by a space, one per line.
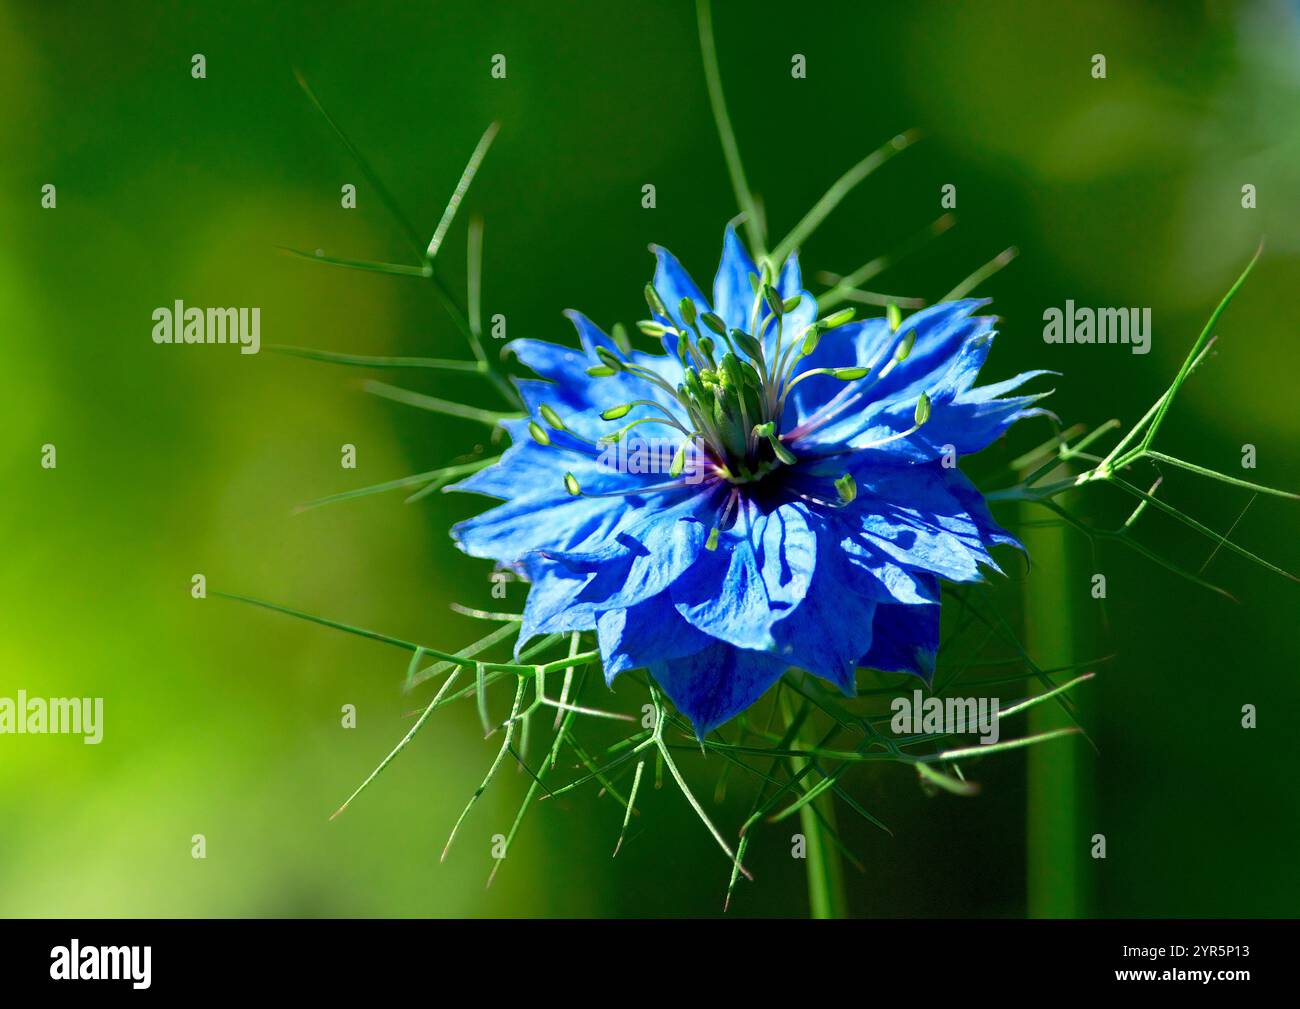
x=734 y=381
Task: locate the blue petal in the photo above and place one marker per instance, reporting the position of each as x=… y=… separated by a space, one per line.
x=716 y=683
x=905 y=640
x=832 y=625
x=790 y=282
x=872 y=573
x=942 y=331
x=757 y=575
x=649 y=633
x=673 y=284
x=911 y=516
x=550 y=607
x=647 y=554
x=733 y=298
x=591 y=335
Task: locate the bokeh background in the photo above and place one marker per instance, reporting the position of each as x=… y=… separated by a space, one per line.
x=224 y=720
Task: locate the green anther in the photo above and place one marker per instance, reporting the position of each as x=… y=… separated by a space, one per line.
x=790 y=304
x=687 y=308
x=782 y=453
x=651 y=328
x=748 y=344
x=619 y=335
x=754 y=282
x=551 y=417
x=608 y=358
x=849 y=374
x=714 y=323
x=844 y=315
x=706 y=347
x=712 y=542
x=679 y=461
x=539 y=433
x=922 y=410
x=812 y=337
x=847 y=488
x=571 y=484
x=773 y=300
x=655 y=302
x=600 y=371
x=905 y=347
x=768 y=431
x=894 y=316
x=615 y=412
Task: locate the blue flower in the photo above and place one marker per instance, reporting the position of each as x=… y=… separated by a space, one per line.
x=773 y=490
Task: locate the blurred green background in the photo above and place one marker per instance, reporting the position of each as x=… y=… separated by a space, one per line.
x=224 y=720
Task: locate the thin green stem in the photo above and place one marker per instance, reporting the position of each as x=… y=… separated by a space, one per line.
x=822 y=865
x=844 y=185
x=753 y=222
x=431 y=403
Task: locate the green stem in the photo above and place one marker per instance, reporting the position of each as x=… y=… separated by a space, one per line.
x=822 y=862
x=1059 y=787
x=730 y=149
x=824 y=865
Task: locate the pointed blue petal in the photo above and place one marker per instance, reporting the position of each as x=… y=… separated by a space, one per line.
x=733 y=298
x=714 y=684
x=905 y=640
x=649 y=633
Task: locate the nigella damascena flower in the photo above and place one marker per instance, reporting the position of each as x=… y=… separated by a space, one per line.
x=804 y=510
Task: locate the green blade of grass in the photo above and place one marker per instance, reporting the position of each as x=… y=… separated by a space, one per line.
x=434 y=405
x=844 y=185
x=371 y=176
x=462 y=187
x=419 y=724
x=997 y=263
x=441 y=476
x=1201 y=340
x=730 y=150
x=369 y=266
x=375 y=361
